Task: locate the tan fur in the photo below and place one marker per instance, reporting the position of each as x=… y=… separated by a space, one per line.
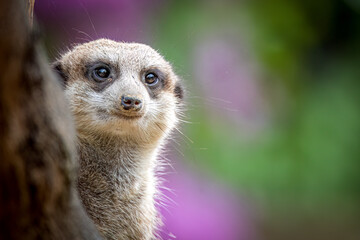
x=117 y=180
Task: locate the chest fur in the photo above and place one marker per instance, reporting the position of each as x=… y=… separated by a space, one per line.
x=117 y=188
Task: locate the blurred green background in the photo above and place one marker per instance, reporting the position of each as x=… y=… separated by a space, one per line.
x=303 y=163
x=273 y=99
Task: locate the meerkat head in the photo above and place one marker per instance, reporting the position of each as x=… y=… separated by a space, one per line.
x=123 y=89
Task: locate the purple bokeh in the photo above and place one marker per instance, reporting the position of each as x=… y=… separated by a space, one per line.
x=203 y=209
x=74 y=21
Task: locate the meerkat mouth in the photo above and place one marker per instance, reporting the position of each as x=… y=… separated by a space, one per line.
x=128 y=116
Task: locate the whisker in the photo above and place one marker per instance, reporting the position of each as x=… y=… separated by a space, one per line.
x=179 y=151
x=91 y=22
x=184 y=135
x=219 y=99
x=84 y=33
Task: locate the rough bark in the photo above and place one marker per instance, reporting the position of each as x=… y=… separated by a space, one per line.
x=37 y=152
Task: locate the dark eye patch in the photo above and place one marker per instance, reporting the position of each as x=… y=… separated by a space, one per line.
x=100 y=75
x=162 y=83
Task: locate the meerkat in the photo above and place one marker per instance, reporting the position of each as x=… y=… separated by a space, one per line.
x=125 y=99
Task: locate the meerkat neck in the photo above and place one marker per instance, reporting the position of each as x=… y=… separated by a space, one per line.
x=116 y=152
x=121 y=174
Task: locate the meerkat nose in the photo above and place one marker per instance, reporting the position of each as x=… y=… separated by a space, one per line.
x=131 y=103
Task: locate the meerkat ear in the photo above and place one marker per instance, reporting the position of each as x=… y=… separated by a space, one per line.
x=179 y=91
x=61 y=75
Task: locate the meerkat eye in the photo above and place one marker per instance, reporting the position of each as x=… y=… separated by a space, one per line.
x=101 y=73
x=151 y=79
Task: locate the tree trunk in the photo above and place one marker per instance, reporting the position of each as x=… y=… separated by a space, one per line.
x=38 y=199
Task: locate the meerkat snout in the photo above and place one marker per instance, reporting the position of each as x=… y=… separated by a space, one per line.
x=130 y=103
